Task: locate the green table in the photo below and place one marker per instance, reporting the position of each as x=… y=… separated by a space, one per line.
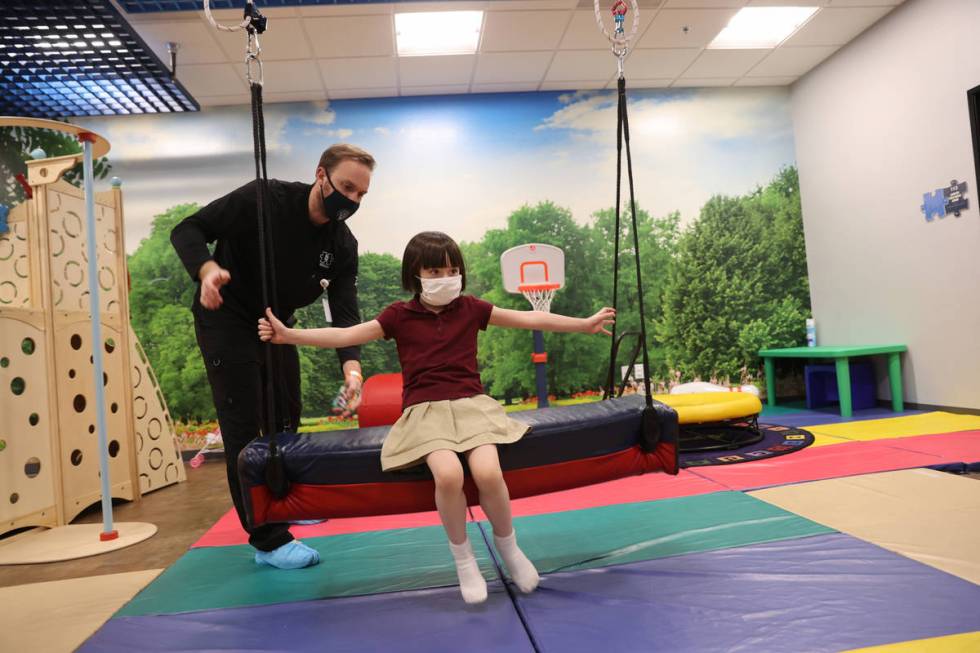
x=842 y=357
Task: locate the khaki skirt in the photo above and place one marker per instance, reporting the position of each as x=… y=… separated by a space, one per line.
x=458 y=425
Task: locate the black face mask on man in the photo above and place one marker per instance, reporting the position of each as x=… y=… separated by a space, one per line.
x=336 y=205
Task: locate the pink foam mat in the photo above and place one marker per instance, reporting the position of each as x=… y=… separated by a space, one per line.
x=957 y=447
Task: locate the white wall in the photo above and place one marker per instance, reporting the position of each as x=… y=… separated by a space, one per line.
x=877 y=125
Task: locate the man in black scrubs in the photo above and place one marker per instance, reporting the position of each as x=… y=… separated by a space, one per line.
x=313 y=250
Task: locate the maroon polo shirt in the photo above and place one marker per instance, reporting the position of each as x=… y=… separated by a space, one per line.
x=437 y=351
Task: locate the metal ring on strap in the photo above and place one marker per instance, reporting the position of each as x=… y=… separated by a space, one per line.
x=207 y=12
x=620 y=44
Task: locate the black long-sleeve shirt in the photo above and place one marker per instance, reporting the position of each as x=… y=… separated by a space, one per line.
x=304 y=254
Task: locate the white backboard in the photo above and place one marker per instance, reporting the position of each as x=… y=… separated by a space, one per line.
x=533 y=263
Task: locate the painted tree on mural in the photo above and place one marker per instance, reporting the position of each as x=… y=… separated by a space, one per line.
x=738 y=282
x=731 y=283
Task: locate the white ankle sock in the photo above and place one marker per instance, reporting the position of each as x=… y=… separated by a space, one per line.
x=521 y=569
x=471 y=583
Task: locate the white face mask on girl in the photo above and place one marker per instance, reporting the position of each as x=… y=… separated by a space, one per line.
x=441 y=290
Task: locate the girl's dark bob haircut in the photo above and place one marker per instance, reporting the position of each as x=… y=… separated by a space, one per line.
x=429 y=249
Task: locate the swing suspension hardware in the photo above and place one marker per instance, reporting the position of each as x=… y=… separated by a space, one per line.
x=620 y=40
x=254 y=23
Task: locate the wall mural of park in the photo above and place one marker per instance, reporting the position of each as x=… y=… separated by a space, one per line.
x=719 y=222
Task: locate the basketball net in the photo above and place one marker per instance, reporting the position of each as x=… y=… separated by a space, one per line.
x=539 y=294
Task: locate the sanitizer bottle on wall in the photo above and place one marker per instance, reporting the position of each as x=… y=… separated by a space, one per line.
x=811 y=332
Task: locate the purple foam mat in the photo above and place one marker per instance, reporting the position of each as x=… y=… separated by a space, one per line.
x=832 y=416
x=421 y=621
x=823 y=593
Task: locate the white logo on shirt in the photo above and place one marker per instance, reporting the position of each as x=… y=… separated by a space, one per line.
x=326 y=259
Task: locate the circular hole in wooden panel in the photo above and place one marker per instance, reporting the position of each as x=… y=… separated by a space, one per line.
x=32 y=467
x=76 y=341
x=17 y=385
x=114 y=407
x=34 y=419
x=14 y=498
x=156 y=458
x=154 y=429
x=73 y=274
x=79 y=403
x=105 y=378
x=113 y=448
x=4 y=362
x=91 y=428
x=27 y=346
x=76 y=457
x=8 y=292
x=139 y=403
x=106 y=279
x=137 y=377
x=72 y=224
x=6 y=249
x=170 y=474
x=83 y=301
x=57 y=246
x=110 y=345
x=43 y=172
x=3 y=445
x=21 y=267
x=145 y=481
x=71 y=374
x=139 y=442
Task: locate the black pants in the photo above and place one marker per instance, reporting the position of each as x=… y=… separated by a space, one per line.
x=236 y=369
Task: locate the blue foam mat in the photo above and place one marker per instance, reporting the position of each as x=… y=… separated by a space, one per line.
x=822 y=593
x=420 y=621
x=831 y=416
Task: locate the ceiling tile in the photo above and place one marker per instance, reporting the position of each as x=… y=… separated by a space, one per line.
x=212 y=79
x=660 y=63
x=223 y=100
x=446 y=89
x=587 y=85
x=353 y=93
x=789 y=3
x=725 y=63
x=523 y=30
x=786 y=61
x=197 y=44
x=351 y=36
x=283 y=39
x=436 y=71
x=294 y=96
x=699 y=82
x=576 y=65
x=363 y=72
x=865 y=3
x=500 y=67
x=704 y=4
x=633 y=84
x=516 y=87
x=766 y=81
x=289 y=76
x=667 y=28
x=836 y=26
x=584 y=34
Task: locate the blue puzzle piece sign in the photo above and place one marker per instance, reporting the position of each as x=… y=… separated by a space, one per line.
x=944 y=201
x=4 y=212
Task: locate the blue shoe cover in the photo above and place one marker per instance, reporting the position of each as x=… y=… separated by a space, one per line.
x=294 y=555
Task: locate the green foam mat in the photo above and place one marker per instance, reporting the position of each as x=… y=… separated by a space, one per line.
x=351 y=564
x=612 y=535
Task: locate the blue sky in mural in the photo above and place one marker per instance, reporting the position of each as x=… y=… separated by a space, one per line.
x=461 y=164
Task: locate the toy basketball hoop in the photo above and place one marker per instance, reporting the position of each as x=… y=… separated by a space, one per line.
x=534 y=270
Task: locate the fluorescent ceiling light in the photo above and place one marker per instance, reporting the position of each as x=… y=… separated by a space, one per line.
x=761 y=27
x=438 y=32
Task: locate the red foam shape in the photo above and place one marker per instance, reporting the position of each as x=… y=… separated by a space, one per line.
x=228 y=531
x=957 y=447
x=381 y=400
x=818 y=463
x=648 y=487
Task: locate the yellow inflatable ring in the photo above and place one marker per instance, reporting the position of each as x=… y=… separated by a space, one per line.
x=705 y=407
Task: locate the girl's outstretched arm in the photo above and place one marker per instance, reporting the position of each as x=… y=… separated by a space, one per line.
x=271 y=329
x=543 y=321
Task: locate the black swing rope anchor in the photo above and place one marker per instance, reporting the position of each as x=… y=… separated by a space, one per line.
x=620 y=41
x=254 y=23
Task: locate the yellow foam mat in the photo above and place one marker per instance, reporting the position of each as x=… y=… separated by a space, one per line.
x=899 y=427
x=962 y=643
x=59 y=615
x=821 y=440
x=929 y=516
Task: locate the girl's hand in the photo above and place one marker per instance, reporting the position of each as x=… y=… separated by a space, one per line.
x=598 y=322
x=271 y=329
